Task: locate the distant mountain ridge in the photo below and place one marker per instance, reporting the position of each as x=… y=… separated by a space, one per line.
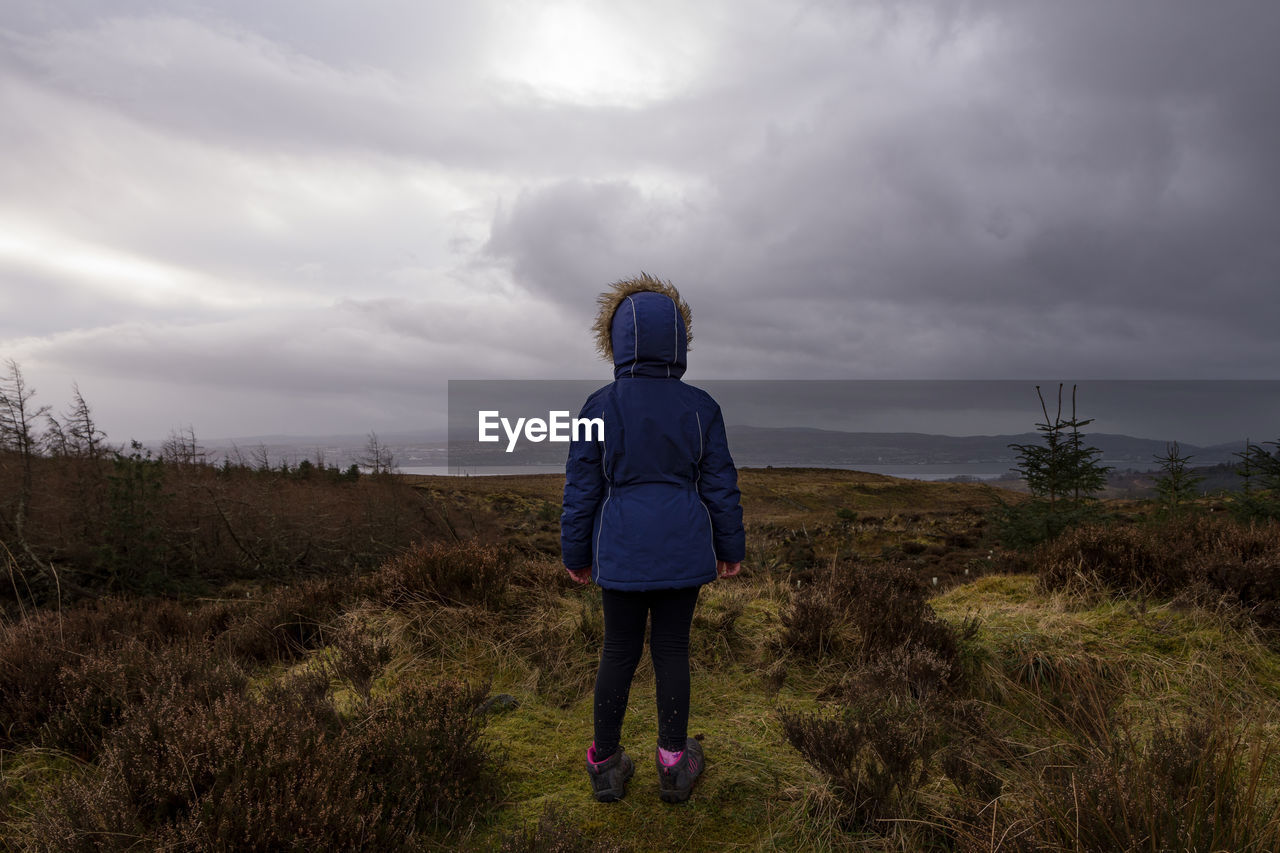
x=752 y=446
x=808 y=446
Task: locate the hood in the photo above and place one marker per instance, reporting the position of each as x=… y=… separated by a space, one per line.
x=643 y=327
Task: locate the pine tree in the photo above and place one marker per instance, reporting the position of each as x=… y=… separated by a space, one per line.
x=1042 y=465
x=1085 y=476
x=1260 y=470
x=1061 y=472
x=1176 y=484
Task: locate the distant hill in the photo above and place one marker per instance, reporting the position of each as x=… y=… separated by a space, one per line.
x=408 y=448
x=817 y=447
x=752 y=446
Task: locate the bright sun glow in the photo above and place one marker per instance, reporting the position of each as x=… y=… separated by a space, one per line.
x=572 y=53
x=106 y=270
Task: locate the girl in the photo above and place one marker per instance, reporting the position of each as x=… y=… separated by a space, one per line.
x=650 y=514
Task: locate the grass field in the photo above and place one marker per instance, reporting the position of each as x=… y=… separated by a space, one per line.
x=959 y=703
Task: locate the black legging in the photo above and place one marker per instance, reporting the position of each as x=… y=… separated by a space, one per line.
x=625 y=614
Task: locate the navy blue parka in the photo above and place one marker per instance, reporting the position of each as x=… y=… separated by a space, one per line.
x=656 y=503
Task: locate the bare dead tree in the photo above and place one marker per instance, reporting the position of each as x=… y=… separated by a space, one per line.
x=55 y=440
x=181 y=447
x=76 y=434
x=18 y=417
x=261 y=458
x=83 y=434
x=236 y=456
x=76 y=439
x=378 y=457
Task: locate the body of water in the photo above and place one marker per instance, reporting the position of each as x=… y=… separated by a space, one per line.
x=487 y=471
x=934 y=471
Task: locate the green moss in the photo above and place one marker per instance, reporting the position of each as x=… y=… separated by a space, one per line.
x=1174 y=658
x=26 y=775
x=752 y=796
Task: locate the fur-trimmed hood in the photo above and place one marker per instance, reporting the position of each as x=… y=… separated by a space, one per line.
x=644 y=327
x=609 y=301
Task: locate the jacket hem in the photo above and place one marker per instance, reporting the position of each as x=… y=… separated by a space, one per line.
x=683 y=583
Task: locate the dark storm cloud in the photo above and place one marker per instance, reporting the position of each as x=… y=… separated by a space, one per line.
x=1084 y=187
x=261 y=212
x=293 y=91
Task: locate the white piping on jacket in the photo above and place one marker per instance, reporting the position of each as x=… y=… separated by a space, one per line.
x=604 y=472
x=600 y=527
x=699 y=417
x=635 y=326
x=675 y=337
x=697 y=486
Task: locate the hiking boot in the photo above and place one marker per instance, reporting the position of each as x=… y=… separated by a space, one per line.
x=609 y=777
x=675 y=782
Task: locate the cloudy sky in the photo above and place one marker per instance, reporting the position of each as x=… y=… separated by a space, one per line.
x=305 y=217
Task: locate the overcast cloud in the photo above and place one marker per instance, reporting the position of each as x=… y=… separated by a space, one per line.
x=304 y=218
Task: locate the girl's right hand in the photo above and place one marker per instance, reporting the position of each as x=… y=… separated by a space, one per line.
x=727 y=570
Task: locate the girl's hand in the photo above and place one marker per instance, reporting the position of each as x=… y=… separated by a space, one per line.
x=580 y=575
x=727 y=570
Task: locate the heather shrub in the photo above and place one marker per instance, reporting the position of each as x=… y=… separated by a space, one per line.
x=464 y=573
x=811 y=623
x=798 y=554
x=170 y=758
x=887 y=603
x=911 y=669
x=898 y=714
x=1236 y=559
x=876 y=752
x=878 y=613
x=423 y=753
x=288 y=623
x=1120 y=557
x=360 y=657
x=49 y=658
x=93 y=695
x=31 y=661
x=1191 y=785
x=279 y=770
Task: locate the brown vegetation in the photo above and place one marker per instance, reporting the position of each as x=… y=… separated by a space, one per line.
x=1200 y=556
x=331 y=701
